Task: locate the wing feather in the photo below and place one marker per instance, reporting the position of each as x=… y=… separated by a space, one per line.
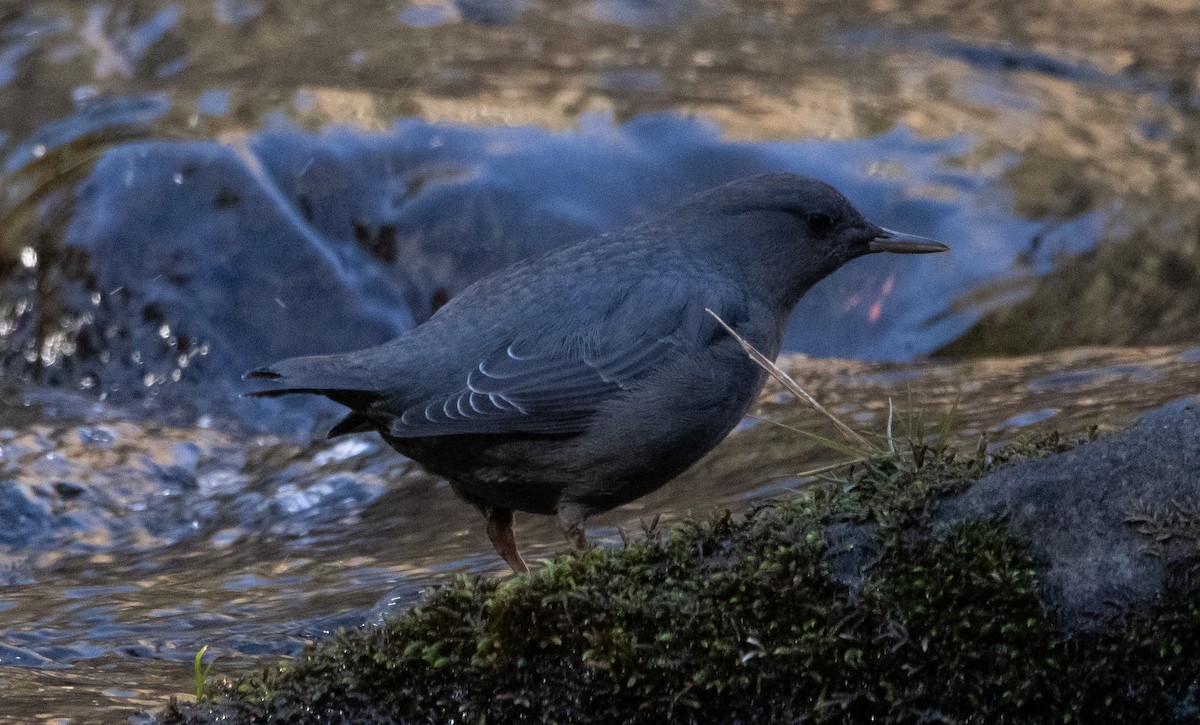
x=524 y=387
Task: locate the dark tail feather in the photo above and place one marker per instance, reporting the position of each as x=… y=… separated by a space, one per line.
x=334 y=376
x=353 y=423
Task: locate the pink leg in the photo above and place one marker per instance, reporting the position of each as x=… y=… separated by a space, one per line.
x=500 y=531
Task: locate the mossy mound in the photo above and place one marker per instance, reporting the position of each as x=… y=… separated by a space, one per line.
x=738 y=619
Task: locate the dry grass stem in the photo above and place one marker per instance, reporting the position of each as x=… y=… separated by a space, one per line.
x=786 y=380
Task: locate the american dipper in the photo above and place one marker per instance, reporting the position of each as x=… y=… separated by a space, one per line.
x=581 y=379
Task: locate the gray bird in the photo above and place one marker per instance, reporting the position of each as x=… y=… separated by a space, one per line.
x=581 y=379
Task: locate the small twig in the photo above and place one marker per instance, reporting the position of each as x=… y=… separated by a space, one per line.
x=776 y=372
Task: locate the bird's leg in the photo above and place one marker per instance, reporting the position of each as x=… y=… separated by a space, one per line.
x=570 y=523
x=500 y=531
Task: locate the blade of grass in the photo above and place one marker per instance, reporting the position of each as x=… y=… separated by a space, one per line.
x=947 y=425
x=827 y=442
x=201 y=674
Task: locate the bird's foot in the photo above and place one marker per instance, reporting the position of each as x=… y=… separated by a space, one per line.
x=570 y=523
x=500 y=531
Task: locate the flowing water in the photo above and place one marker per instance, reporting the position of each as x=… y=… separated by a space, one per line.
x=194 y=188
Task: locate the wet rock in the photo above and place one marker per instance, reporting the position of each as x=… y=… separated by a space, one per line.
x=183 y=271
x=1114 y=523
x=851 y=549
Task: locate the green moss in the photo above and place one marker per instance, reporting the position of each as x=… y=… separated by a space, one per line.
x=738 y=619
x=954 y=626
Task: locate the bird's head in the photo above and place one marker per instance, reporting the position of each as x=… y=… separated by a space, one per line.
x=785 y=232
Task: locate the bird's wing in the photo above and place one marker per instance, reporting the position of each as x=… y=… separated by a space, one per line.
x=547 y=387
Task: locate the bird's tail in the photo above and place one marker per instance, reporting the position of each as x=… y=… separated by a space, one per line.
x=335 y=376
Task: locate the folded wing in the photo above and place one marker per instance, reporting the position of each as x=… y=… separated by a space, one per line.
x=553 y=387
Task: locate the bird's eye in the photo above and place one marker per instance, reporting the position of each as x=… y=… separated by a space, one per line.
x=819 y=223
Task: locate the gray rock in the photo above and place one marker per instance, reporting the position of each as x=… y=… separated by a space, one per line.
x=1109 y=522
x=851 y=550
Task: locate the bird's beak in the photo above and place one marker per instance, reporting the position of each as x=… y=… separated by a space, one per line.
x=901 y=243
